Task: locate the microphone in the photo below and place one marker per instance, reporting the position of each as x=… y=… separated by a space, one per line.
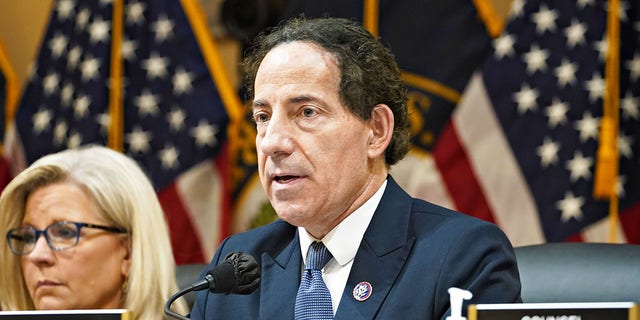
x=239 y=273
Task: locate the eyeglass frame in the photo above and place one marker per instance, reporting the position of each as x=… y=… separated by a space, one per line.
x=79 y=225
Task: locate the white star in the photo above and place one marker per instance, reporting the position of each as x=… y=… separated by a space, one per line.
x=156 y=66
x=66 y=95
x=169 y=157
x=595 y=86
x=82 y=18
x=566 y=73
x=629 y=105
x=557 y=112
x=536 y=59
x=182 y=81
x=147 y=103
x=588 y=127
x=176 y=119
x=73 y=57
x=81 y=106
x=60 y=132
x=41 y=120
x=601 y=46
x=129 y=49
x=620 y=182
x=548 y=152
x=503 y=45
x=579 y=167
x=50 y=83
x=204 y=134
x=624 y=145
x=104 y=120
x=99 y=30
x=575 y=33
x=89 y=68
x=57 y=44
x=163 y=28
x=64 y=9
x=633 y=66
x=583 y=3
x=570 y=207
x=516 y=8
x=526 y=98
x=545 y=19
x=75 y=140
x=135 y=13
x=138 y=140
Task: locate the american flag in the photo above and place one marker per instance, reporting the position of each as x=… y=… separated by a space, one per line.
x=139 y=76
x=521 y=147
x=8 y=99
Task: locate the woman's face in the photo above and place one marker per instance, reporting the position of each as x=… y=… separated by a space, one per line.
x=89 y=275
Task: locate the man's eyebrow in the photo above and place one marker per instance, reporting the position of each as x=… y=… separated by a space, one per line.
x=297 y=99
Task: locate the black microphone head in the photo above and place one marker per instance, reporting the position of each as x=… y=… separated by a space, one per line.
x=239 y=273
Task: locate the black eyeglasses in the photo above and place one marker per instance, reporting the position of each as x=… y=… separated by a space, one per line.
x=60 y=236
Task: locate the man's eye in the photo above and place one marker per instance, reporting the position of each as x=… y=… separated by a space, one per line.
x=308 y=112
x=260 y=117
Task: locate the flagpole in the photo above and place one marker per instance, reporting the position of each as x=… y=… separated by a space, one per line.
x=116 y=119
x=370 y=15
x=607 y=162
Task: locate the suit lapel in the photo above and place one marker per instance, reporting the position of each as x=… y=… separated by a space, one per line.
x=381 y=256
x=277 y=290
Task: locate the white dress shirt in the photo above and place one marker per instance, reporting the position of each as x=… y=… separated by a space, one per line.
x=343 y=243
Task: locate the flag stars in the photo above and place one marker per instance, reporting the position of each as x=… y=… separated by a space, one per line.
x=503 y=45
x=82 y=18
x=633 y=66
x=75 y=140
x=66 y=95
x=57 y=45
x=104 y=120
x=624 y=145
x=50 y=83
x=99 y=30
x=570 y=207
x=545 y=19
x=135 y=13
x=548 y=152
x=204 y=134
x=584 y=3
x=595 y=86
x=526 y=98
x=588 y=127
x=169 y=157
x=41 y=120
x=89 y=68
x=601 y=46
x=64 y=9
x=630 y=105
x=60 y=132
x=566 y=73
x=81 y=106
x=147 y=103
x=176 y=119
x=536 y=59
x=163 y=28
x=73 y=58
x=575 y=33
x=557 y=113
x=182 y=81
x=156 y=66
x=129 y=49
x=138 y=140
x=579 y=166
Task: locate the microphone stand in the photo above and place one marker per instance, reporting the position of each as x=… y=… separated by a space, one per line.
x=203 y=284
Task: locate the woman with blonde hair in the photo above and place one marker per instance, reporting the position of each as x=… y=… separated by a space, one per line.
x=85 y=230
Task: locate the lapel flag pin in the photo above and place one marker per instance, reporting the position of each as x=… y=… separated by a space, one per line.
x=362 y=291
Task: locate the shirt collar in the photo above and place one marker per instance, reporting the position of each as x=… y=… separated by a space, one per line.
x=344 y=240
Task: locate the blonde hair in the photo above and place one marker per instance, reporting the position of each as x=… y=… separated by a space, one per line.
x=126 y=200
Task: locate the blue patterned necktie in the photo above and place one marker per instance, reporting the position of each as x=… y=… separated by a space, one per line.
x=314 y=300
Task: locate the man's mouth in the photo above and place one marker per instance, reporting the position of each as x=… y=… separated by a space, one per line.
x=285 y=178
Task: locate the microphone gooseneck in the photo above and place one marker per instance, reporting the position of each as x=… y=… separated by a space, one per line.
x=239 y=273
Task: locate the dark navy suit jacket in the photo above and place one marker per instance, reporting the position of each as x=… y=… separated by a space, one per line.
x=411 y=254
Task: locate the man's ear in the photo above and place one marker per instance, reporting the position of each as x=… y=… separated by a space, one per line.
x=381 y=124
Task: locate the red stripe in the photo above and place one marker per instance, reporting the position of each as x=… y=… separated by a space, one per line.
x=630 y=220
x=184 y=239
x=458 y=176
x=223 y=165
